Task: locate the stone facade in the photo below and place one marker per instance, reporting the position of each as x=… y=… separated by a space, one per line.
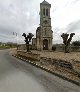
x=44 y=33
x=34 y=44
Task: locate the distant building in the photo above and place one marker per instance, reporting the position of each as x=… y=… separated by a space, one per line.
x=44 y=33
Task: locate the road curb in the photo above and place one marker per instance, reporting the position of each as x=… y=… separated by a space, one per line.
x=47 y=70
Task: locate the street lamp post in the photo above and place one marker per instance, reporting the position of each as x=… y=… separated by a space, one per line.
x=15 y=34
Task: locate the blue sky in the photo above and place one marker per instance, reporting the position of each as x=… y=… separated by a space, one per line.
x=21 y=16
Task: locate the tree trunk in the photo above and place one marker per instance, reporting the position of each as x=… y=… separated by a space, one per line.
x=27 y=47
x=66 y=49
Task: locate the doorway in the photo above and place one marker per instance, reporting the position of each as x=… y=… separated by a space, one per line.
x=45 y=44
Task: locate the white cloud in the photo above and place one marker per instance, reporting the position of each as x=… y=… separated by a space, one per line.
x=23 y=16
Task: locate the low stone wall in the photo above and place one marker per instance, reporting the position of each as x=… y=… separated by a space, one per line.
x=60 y=48
x=29 y=55
x=75 y=48
x=71 y=48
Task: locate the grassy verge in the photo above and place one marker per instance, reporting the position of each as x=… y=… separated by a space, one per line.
x=5 y=47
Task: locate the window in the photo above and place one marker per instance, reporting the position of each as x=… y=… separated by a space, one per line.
x=46 y=12
x=45 y=31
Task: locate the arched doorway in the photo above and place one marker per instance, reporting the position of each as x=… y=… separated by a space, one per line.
x=45 y=44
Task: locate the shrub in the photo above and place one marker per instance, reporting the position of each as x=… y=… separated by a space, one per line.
x=54 y=48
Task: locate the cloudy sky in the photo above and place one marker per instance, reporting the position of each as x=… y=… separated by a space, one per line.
x=21 y=16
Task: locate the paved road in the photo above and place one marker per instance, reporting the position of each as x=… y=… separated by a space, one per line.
x=18 y=76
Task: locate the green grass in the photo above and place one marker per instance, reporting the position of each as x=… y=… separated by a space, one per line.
x=6 y=47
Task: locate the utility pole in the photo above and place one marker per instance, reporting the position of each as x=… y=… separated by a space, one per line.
x=15 y=36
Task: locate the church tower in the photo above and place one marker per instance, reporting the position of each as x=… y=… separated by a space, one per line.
x=44 y=33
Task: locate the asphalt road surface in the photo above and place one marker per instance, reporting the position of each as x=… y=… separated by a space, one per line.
x=19 y=76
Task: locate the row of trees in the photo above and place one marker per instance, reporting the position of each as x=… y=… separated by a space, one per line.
x=66 y=40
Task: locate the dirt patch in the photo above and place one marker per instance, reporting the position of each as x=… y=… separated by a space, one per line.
x=69 y=68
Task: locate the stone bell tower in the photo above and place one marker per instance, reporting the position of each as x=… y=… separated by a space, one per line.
x=44 y=33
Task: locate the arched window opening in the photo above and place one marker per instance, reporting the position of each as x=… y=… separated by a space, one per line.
x=46 y=12
x=45 y=31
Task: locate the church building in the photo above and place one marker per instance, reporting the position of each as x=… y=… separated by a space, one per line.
x=44 y=33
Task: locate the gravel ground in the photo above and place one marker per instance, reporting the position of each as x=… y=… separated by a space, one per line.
x=59 y=55
x=73 y=58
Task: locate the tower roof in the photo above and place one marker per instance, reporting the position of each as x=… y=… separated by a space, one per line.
x=44 y=2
